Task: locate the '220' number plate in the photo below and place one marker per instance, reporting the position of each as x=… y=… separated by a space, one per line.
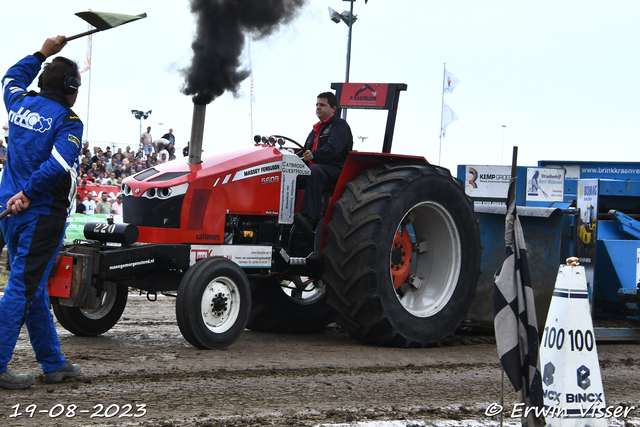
x=104 y=228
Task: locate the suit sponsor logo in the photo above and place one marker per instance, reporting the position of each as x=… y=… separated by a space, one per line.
x=74 y=140
x=30 y=120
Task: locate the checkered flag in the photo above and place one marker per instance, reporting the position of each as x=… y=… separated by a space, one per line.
x=515 y=321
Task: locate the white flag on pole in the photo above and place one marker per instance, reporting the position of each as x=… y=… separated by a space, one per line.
x=448 y=116
x=450 y=81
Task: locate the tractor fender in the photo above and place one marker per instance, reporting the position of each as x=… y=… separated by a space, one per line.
x=357 y=162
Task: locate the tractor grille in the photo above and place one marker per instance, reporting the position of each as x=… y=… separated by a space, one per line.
x=152 y=212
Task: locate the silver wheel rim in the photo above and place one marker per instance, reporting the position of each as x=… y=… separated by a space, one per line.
x=107 y=301
x=436 y=260
x=220 y=304
x=311 y=291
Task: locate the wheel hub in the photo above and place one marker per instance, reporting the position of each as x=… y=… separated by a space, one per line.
x=219 y=304
x=401 y=254
x=397 y=255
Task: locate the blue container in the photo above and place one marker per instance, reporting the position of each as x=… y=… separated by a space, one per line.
x=547 y=233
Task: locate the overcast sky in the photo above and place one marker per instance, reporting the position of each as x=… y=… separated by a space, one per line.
x=563 y=76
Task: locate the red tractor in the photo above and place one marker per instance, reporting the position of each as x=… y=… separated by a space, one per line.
x=395 y=261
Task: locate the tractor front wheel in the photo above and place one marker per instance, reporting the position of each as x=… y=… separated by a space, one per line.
x=213 y=304
x=89 y=323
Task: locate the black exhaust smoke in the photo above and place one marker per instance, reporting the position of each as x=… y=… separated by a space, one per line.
x=220 y=35
x=219 y=41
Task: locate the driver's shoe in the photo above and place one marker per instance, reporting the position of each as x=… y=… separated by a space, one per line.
x=306 y=221
x=13 y=381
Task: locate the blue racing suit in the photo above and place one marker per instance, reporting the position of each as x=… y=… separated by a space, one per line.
x=41 y=162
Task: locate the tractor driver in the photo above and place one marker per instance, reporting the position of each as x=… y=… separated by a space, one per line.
x=326 y=150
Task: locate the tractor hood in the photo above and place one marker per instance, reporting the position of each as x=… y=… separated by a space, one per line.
x=178 y=202
x=179 y=171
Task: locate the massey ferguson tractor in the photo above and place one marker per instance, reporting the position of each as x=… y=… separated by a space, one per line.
x=395 y=260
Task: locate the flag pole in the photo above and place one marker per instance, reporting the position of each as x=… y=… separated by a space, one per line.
x=251 y=94
x=514 y=171
x=502 y=397
x=511 y=197
x=444 y=72
x=90 y=49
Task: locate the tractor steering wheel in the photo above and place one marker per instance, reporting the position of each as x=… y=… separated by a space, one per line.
x=290 y=140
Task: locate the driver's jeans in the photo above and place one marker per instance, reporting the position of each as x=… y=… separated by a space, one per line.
x=321 y=176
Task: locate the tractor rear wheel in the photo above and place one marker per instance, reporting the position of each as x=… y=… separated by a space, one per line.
x=289 y=305
x=402 y=255
x=213 y=304
x=89 y=323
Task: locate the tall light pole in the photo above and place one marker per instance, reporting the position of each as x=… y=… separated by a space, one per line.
x=348 y=18
x=139 y=114
x=502 y=153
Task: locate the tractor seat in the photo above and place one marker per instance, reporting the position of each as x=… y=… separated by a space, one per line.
x=327 y=192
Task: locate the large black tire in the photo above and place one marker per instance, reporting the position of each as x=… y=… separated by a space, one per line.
x=213 y=304
x=276 y=307
x=89 y=323
x=364 y=242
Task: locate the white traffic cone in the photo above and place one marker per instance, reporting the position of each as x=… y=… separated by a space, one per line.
x=571 y=380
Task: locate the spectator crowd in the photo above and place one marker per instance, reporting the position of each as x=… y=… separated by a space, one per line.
x=106 y=168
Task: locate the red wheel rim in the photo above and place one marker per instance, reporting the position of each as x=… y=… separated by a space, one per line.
x=401 y=253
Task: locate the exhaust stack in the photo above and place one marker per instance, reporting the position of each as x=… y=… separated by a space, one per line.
x=197 y=132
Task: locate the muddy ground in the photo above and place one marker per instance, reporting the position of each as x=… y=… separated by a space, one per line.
x=144 y=373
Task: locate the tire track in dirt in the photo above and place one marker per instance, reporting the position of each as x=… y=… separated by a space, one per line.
x=278 y=380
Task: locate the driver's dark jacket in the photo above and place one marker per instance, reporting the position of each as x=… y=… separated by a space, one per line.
x=334 y=143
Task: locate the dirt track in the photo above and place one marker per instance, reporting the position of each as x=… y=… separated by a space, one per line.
x=280 y=380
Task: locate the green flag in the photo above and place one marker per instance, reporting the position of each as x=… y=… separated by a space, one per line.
x=104 y=21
